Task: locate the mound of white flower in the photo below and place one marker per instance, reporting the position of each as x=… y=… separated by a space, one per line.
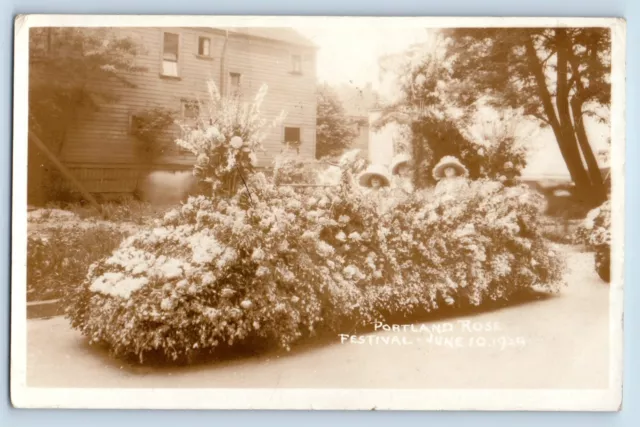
x=279 y=264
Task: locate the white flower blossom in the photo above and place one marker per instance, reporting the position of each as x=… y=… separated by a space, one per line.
x=324 y=249
x=258 y=254
x=227 y=292
x=262 y=271
x=236 y=142
x=355 y=236
x=166 y=304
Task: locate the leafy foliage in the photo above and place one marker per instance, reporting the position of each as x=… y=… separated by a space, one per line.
x=71 y=70
x=334 y=131
x=497 y=64
x=429 y=112
x=59 y=259
x=152 y=127
x=556 y=76
x=595 y=232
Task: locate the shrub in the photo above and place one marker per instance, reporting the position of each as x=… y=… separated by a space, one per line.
x=151 y=127
x=117 y=211
x=60 y=258
x=274 y=265
x=595 y=233
x=288 y=169
x=595 y=230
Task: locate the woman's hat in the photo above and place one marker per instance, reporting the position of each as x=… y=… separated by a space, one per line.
x=399 y=160
x=377 y=171
x=449 y=162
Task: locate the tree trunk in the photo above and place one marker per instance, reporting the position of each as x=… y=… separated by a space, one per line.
x=564 y=133
x=583 y=140
x=583 y=182
x=597 y=184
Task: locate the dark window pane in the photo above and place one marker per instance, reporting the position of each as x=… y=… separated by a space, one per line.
x=296 y=63
x=235 y=79
x=292 y=135
x=171 y=43
x=204 y=46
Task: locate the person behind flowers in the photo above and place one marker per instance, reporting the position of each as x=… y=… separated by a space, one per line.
x=374 y=179
x=401 y=175
x=452 y=177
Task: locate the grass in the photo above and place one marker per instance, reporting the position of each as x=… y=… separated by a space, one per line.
x=60 y=258
x=132 y=211
x=65 y=239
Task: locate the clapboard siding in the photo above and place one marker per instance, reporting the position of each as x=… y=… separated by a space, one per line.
x=103 y=137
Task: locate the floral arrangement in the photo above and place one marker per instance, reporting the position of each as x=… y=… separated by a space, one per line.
x=484 y=244
x=275 y=264
x=226 y=137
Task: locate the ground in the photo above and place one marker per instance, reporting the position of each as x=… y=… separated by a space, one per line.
x=556 y=342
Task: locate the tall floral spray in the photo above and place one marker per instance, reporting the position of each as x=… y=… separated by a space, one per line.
x=226 y=137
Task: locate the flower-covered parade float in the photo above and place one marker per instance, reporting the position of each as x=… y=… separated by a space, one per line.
x=254 y=262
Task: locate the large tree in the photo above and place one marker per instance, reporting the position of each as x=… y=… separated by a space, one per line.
x=334 y=130
x=71 y=70
x=557 y=76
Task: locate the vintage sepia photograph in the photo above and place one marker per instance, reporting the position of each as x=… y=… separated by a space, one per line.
x=318 y=213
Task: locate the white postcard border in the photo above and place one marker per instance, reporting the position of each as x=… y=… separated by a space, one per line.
x=348 y=399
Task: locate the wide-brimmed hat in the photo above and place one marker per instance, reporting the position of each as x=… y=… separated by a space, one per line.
x=377 y=171
x=399 y=160
x=449 y=162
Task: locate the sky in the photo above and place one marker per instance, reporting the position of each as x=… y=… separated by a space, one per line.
x=350 y=55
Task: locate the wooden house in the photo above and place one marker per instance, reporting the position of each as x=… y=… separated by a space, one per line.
x=100 y=148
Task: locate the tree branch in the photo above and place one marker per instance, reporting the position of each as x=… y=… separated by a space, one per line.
x=544 y=61
x=541 y=84
x=541 y=118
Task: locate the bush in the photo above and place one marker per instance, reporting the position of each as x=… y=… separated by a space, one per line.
x=274 y=265
x=59 y=259
x=595 y=233
x=124 y=210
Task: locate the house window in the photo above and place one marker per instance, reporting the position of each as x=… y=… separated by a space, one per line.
x=204 y=46
x=170 y=54
x=135 y=124
x=292 y=137
x=234 y=83
x=296 y=64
